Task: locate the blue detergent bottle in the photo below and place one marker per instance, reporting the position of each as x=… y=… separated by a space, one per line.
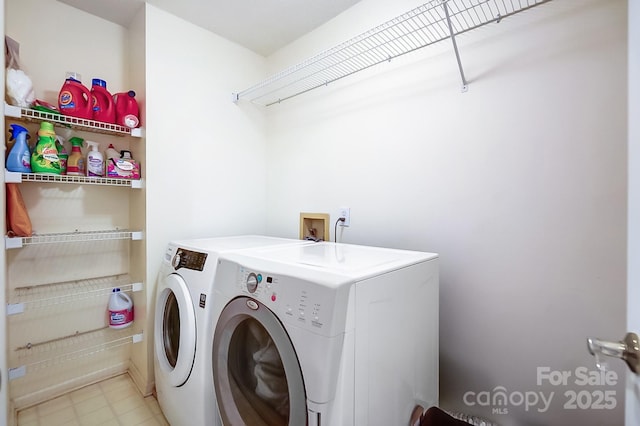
x=19 y=159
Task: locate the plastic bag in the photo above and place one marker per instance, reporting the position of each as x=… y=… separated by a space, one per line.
x=11 y=53
x=19 y=86
x=18 y=221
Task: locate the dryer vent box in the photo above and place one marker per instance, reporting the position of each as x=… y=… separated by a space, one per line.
x=314 y=226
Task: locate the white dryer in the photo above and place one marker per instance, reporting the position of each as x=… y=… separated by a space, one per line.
x=183 y=328
x=325 y=334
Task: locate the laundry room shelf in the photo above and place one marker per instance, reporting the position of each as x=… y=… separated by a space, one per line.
x=28 y=114
x=34 y=357
x=425 y=25
x=16 y=177
x=72 y=237
x=39 y=297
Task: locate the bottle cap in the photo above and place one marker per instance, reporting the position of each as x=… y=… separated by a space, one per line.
x=98 y=82
x=45 y=125
x=73 y=76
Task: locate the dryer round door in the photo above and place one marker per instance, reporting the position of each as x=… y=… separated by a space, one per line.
x=175 y=330
x=256 y=372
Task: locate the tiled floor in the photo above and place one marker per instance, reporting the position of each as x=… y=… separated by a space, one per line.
x=113 y=402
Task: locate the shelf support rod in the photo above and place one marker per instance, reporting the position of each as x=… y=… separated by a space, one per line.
x=465 y=85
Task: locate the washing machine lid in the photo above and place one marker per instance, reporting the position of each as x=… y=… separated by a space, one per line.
x=350 y=260
x=239 y=242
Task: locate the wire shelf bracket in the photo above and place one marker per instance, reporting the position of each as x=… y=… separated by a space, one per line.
x=465 y=85
x=423 y=26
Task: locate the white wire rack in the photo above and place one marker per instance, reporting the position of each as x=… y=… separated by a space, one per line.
x=31 y=298
x=34 y=357
x=425 y=25
x=16 y=177
x=72 y=237
x=27 y=114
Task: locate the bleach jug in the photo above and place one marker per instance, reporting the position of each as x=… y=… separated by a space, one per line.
x=102 y=102
x=127 y=113
x=120 y=309
x=19 y=159
x=75 y=99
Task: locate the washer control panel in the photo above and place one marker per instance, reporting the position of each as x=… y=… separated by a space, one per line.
x=299 y=301
x=189 y=259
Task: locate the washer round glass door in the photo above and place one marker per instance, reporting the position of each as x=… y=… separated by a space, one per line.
x=256 y=373
x=175 y=330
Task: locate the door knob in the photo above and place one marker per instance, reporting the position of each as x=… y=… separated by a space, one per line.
x=627 y=349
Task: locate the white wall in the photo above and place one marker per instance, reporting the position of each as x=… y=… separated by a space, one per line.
x=519 y=184
x=205 y=156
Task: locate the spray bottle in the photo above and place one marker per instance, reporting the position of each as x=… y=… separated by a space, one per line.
x=63 y=155
x=19 y=159
x=95 y=160
x=44 y=158
x=75 y=163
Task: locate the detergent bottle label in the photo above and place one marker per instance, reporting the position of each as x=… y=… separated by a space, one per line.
x=26 y=159
x=121 y=317
x=66 y=100
x=50 y=154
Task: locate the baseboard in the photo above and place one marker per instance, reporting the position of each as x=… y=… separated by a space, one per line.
x=144 y=387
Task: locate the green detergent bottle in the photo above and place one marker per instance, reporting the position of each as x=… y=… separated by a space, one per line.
x=44 y=158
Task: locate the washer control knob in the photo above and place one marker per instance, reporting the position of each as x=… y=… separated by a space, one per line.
x=252 y=282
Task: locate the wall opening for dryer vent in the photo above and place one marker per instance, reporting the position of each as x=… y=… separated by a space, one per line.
x=314 y=226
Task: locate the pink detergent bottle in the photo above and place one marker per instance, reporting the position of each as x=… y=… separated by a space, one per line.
x=75 y=99
x=102 y=102
x=127 y=113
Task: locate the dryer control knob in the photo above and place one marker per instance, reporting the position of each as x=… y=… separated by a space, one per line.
x=176 y=261
x=252 y=282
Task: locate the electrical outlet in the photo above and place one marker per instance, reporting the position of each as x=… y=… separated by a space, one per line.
x=345 y=212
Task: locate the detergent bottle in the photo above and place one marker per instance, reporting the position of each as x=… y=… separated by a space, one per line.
x=44 y=158
x=19 y=159
x=95 y=160
x=63 y=155
x=75 y=163
x=75 y=99
x=120 y=309
x=127 y=113
x=103 y=107
x=111 y=152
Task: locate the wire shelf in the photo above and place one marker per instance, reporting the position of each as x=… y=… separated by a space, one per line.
x=17 y=177
x=32 y=298
x=34 y=357
x=72 y=237
x=28 y=114
x=423 y=26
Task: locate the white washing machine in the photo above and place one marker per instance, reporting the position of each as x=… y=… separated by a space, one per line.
x=325 y=334
x=183 y=328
